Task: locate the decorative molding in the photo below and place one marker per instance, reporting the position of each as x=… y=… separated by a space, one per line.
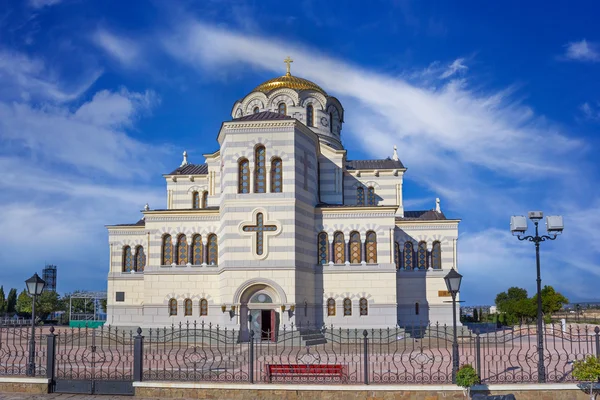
x=184 y=219
x=358 y=215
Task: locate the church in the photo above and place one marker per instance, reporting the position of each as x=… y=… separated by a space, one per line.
x=281 y=226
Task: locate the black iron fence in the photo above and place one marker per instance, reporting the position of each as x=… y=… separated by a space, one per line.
x=74 y=357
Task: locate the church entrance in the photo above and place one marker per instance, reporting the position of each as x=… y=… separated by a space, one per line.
x=259 y=313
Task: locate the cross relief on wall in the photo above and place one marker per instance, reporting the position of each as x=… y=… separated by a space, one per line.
x=260 y=229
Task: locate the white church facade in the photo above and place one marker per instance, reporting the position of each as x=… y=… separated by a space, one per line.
x=280 y=226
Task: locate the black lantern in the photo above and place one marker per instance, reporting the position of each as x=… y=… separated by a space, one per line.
x=35 y=285
x=453 y=280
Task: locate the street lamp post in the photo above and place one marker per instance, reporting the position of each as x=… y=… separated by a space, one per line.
x=35 y=286
x=453 y=280
x=554 y=226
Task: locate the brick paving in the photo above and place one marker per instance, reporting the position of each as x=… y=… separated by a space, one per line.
x=63 y=396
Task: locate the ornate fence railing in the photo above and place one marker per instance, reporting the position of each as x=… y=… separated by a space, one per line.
x=296 y=354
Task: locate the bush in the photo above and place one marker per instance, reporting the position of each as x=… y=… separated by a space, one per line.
x=587 y=370
x=466 y=376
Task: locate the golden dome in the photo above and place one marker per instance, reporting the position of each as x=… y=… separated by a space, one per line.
x=288 y=81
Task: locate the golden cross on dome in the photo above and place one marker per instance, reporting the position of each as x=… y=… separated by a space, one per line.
x=288 y=61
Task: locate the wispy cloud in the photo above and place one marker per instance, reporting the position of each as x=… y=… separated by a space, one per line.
x=590 y=111
x=124 y=50
x=43 y=3
x=582 y=51
x=457 y=66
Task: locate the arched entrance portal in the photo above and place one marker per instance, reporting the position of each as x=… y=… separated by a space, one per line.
x=260 y=306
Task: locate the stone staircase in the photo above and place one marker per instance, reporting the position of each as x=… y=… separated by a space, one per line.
x=312 y=337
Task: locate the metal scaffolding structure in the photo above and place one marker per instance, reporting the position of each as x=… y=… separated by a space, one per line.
x=87 y=306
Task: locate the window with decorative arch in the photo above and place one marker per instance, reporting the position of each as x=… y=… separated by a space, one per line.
x=323 y=245
x=188 y=309
x=339 y=245
x=127 y=259
x=331 y=307
x=371 y=199
x=197 y=250
x=260 y=170
x=347 y=307
x=360 y=196
x=140 y=259
x=436 y=255
x=310 y=115
x=182 y=250
x=422 y=255
x=330 y=122
x=167 y=250
x=213 y=250
x=371 y=247
x=355 y=248
x=408 y=255
x=172 y=307
x=417 y=308
x=256 y=110
x=203 y=307
x=204 y=199
x=363 y=306
x=195 y=200
x=397 y=254
x=276 y=175
x=244 y=176
x=282 y=108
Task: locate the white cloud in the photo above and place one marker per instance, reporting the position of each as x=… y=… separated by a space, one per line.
x=126 y=51
x=43 y=3
x=590 y=111
x=456 y=67
x=582 y=51
x=24 y=78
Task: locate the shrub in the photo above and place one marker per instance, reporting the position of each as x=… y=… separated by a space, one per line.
x=467 y=377
x=587 y=370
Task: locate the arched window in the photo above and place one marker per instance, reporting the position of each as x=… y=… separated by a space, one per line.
x=347 y=307
x=256 y=110
x=360 y=196
x=213 y=250
x=140 y=259
x=330 y=307
x=260 y=170
x=416 y=308
x=408 y=256
x=195 y=200
x=282 y=108
x=339 y=253
x=244 y=176
x=354 y=248
x=172 y=307
x=310 y=117
x=203 y=307
x=422 y=256
x=364 y=306
x=436 y=255
x=188 y=307
x=127 y=259
x=371 y=247
x=167 y=250
x=204 y=199
x=323 y=244
x=197 y=250
x=182 y=250
x=330 y=122
x=371 y=200
x=276 y=175
x=397 y=254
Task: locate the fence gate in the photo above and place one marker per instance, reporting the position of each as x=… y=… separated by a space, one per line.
x=94 y=361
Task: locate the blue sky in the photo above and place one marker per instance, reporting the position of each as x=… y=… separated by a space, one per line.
x=494 y=107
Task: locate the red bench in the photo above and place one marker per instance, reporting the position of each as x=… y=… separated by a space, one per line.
x=292 y=370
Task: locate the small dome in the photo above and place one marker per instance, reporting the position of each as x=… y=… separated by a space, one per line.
x=288 y=81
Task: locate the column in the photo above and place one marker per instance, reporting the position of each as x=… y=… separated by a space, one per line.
x=268 y=180
x=189 y=240
x=251 y=188
x=363 y=249
x=347 y=246
x=332 y=249
x=204 y=250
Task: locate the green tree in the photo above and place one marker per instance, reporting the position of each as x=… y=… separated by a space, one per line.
x=2 y=300
x=515 y=304
x=45 y=304
x=475 y=315
x=11 y=301
x=552 y=301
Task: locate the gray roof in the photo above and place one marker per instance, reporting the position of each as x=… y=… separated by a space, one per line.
x=388 y=163
x=262 y=116
x=426 y=215
x=141 y=222
x=191 y=169
x=325 y=205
